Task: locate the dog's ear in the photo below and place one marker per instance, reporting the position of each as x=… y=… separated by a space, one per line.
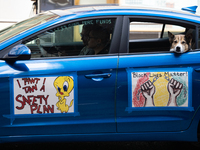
x=171 y=37
x=188 y=38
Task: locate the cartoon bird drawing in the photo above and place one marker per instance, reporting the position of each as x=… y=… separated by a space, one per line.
x=64 y=85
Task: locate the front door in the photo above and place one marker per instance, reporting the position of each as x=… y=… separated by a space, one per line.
x=59 y=90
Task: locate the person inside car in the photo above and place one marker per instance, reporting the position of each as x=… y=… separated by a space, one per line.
x=98 y=40
x=84 y=37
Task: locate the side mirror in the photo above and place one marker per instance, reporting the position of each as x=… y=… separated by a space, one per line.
x=18 y=52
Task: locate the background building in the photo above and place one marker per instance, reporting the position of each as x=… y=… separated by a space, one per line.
x=12 y=11
x=175 y=4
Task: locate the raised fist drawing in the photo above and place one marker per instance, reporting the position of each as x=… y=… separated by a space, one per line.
x=148 y=90
x=174 y=88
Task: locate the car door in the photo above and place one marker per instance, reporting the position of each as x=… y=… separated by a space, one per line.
x=61 y=92
x=156 y=90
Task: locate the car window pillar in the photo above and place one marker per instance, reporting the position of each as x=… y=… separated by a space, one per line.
x=115 y=44
x=125 y=35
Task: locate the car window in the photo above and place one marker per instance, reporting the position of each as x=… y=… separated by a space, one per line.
x=70 y=39
x=144 y=30
x=175 y=29
x=151 y=30
x=147 y=36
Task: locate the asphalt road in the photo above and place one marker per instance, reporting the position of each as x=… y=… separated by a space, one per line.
x=102 y=146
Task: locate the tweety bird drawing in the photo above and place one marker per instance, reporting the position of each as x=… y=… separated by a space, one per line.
x=64 y=85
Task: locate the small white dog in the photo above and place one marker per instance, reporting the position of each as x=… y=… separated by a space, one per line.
x=180 y=43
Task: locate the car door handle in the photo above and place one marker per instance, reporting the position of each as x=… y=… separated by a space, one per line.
x=103 y=75
x=197 y=70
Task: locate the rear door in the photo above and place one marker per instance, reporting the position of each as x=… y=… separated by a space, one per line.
x=156 y=90
x=62 y=92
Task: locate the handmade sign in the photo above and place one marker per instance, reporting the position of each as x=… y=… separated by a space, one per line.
x=42 y=95
x=150 y=89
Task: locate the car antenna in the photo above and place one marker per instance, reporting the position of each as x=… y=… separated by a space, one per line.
x=191 y=9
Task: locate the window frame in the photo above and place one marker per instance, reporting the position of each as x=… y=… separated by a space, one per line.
x=124 y=46
x=115 y=42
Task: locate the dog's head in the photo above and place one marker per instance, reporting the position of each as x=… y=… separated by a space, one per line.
x=180 y=43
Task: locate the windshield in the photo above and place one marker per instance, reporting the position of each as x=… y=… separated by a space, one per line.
x=25 y=25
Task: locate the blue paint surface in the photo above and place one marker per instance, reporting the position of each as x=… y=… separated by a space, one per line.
x=103 y=108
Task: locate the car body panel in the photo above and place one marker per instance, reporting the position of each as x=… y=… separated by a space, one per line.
x=135 y=119
x=90 y=98
x=101 y=88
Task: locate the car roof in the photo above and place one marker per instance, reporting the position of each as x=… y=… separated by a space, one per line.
x=88 y=11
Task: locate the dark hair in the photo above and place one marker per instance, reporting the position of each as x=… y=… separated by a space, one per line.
x=101 y=32
x=87 y=28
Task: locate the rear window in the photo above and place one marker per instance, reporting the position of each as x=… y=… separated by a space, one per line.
x=152 y=30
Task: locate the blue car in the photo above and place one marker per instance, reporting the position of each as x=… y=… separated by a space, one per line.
x=103 y=73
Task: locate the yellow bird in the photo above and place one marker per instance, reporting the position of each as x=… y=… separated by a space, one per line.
x=64 y=85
